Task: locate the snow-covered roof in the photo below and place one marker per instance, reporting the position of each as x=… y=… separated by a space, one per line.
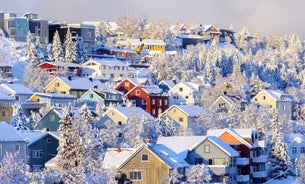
x=189 y=110
x=152 y=89
x=9 y=133
x=114 y=157
x=205 y=27
x=55 y=95
x=146 y=41
x=244 y=132
x=169 y=156
x=189 y=36
x=179 y=144
x=105 y=61
x=4 y=64
x=4 y=96
x=16 y=88
x=278 y=95
x=60 y=111
x=31 y=136
x=62 y=64
x=295 y=138
x=229 y=101
x=112 y=25
x=81 y=83
x=193 y=86
x=127 y=112
x=169 y=83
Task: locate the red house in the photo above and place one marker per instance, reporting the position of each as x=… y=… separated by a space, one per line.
x=150 y=98
x=252 y=164
x=56 y=67
x=127 y=84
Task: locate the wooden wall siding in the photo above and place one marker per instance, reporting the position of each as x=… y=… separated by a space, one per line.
x=176 y=114
x=153 y=170
x=228 y=138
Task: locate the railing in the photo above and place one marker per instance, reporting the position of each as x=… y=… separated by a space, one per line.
x=242 y=178
x=242 y=161
x=260 y=159
x=260 y=174
x=222 y=169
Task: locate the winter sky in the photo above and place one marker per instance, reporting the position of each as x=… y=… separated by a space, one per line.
x=266 y=16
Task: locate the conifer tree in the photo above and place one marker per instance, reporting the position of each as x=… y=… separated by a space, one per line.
x=81 y=55
x=30 y=50
x=70 y=54
x=57 y=50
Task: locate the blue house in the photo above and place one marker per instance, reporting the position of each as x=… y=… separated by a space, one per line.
x=166 y=85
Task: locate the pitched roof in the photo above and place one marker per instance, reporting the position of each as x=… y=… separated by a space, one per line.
x=9 y=133
x=228 y=100
x=4 y=96
x=114 y=157
x=106 y=61
x=31 y=136
x=55 y=95
x=223 y=146
x=189 y=110
x=61 y=64
x=128 y=111
x=278 y=95
x=152 y=89
x=169 y=83
x=16 y=88
x=81 y=83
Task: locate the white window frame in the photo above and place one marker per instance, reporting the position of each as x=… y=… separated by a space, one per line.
x=37 y=153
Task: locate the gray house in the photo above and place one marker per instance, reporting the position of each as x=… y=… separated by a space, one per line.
x=11 y=141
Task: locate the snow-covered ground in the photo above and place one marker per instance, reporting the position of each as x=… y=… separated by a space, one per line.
x=291 y=180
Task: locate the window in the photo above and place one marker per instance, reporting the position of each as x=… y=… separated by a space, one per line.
x=37 y=153
x=91 y=96
x=137 y=92
x=198 y=161
x=207 y=148
x=126 y=84
x=3 y=113
x=153 y=111
x=302 y=149
x=210 y=161
x=160 y=102
x=49 y=140
x=153 y=101
x=264 y=97
x=165 y=102
x=120 y=123
x=52 y=117
x=180 y=89
x=180 y=119
x=219 y=161
x=137 y=175
x=143 y=102
x=37 y=168
x=186 y=97
x=144 y=157
x=294 y=150
x=17 y=147
x=57 y=84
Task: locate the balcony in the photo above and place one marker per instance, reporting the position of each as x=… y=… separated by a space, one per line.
x=222 y=169
x=260 y=159
x=260 y=174
x=242 y=161
x=243 y=178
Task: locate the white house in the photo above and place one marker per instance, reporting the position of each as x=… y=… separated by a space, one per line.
x=18 y=91
x=107 y=69
x=186 y=93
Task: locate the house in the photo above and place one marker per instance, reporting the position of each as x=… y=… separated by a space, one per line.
x=252 y=165
x=120 y=54
x=53 y=68
x=185 y=40
x=6 y=106
x=141 y=44
x=208 y=150
x=112 y=28
x=186 y=93
x=129 y=83
x=76 y=86
x=11 y=141
x=18 y=91
x=6 y=70
x=105 y=95
x=209 y=31
x=150 y=164
x=142 y=75
x=296 y=147
x=227 y=102
x=276 y=99
x=49 y=100
x=105 y=69
x=41 y=147
x=121 y=115
x=166 y=85
x=51 y=120
x=184 y=115
x=150 y=98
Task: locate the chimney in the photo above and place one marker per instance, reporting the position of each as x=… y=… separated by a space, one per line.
x=90 y=79
x=69 y=78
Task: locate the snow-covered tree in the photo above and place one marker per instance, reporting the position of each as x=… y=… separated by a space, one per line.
x=57 y=50
x=19 y=119
x=110 y=134
x=30 y=49
x=13 y=169
x=71 y=150
x=70 y=51
x=176 y=176
x=198 y=174
x=80 y=55
x=34 y=78
x=279 y=159
x=300 y=169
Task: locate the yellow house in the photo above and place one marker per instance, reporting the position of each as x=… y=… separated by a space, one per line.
x=275 y=99
x=151 y=164
x=120 y=115
x=142 y=44
x=6 y=108
x=76 y=86
x=184 y=115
